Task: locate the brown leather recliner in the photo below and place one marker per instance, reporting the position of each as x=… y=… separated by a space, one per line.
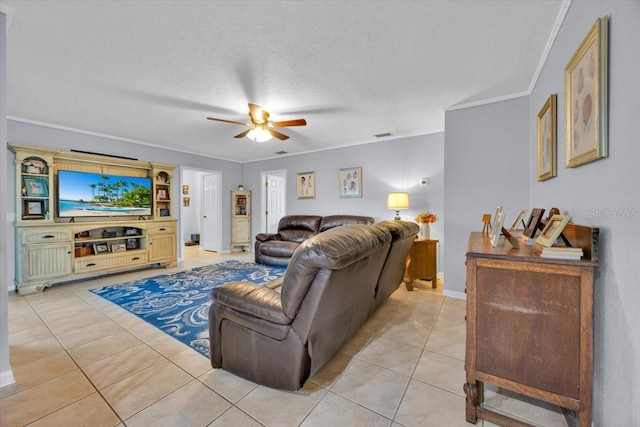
x=403 y=234
x=280 y=339
x=277 y=248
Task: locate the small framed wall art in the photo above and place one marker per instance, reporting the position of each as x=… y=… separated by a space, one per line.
x=586 y=95
x=306 y=185
x=350 y=182
x=547 y=139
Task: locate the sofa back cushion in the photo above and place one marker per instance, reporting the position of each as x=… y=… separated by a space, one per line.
x=332 y=221
x=298 y=228
x=333 y=250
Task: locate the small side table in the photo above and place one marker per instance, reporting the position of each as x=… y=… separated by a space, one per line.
x=422 y=262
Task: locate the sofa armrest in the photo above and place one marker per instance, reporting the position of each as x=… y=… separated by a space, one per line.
x=251 y=299
x=263 y=237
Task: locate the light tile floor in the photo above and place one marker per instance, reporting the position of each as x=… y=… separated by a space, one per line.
x=81 y=360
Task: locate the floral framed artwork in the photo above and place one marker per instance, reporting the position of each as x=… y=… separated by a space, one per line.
x=350 y=182
x=306 y=185
x=586 y=98
x=547 y=131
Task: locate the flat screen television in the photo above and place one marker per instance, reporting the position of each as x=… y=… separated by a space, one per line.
x=85 y=194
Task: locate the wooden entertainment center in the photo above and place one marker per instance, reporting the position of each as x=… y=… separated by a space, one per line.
x=51 y=248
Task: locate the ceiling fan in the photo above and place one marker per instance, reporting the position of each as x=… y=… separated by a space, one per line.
x=261 y=129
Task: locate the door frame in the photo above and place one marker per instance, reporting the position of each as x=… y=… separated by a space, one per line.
x=263 y=194
x=181 y=226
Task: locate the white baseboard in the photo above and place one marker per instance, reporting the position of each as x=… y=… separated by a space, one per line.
x=6 y=378
x=453 y=294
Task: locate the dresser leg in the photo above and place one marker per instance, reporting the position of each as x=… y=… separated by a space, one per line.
x=471 y=390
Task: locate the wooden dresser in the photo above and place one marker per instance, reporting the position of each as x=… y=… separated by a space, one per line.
x=529 y=328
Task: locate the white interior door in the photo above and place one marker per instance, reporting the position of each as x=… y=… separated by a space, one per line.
x=274 y=196
x=211 y=221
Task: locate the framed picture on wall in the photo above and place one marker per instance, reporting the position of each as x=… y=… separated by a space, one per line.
x=586 y=98
x=547 y=139
x=350 y=182
x=306 y=185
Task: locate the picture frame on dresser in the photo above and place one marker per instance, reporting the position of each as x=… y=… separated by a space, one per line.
x=586 y=98
x=552 y=230
x=534 y=221
x=36 y=186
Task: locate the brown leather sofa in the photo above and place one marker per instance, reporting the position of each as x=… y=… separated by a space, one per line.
x=280 y=334
x=277 y=248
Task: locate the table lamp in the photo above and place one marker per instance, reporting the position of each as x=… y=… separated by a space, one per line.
x=398 y=201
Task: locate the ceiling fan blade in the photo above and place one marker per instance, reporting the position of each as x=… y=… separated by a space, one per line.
x=242 y=134
x=257 y=114
x=280 y=136
x=286 y=123
x=233 y=122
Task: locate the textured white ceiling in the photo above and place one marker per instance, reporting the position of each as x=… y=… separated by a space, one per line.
x=152 y=71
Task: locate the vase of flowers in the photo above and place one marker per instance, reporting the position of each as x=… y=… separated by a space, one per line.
x=424 y=220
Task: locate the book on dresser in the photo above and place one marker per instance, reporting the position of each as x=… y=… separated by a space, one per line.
x=558 y=252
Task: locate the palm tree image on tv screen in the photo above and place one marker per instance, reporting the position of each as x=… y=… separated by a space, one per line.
x=82 y=194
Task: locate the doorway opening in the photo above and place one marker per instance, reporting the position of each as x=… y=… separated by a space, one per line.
x=200 y=211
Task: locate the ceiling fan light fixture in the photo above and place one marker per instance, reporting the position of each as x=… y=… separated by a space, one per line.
x=259 y=135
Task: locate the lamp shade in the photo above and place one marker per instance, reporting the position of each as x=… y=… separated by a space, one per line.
x=398 y=201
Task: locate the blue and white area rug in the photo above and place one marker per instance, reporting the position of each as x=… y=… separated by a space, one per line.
x=178 y=304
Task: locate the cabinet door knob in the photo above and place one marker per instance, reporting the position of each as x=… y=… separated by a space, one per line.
x=48 y=236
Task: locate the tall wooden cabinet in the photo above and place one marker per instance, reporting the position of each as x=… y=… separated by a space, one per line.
x=529 y=328
x=50 y=248
x=240 y=219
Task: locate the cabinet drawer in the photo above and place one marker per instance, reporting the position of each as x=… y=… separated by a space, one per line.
x=162 y=228
x=45 y=236
x=112 y=261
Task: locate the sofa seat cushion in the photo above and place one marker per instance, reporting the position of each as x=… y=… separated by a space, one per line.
x=277 y=248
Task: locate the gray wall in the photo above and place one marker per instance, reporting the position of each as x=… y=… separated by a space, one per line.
x=604 y=194
x=396 y=165
x=486 y=161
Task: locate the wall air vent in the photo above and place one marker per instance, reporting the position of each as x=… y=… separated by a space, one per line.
x=281 y=152
x=382 y=135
